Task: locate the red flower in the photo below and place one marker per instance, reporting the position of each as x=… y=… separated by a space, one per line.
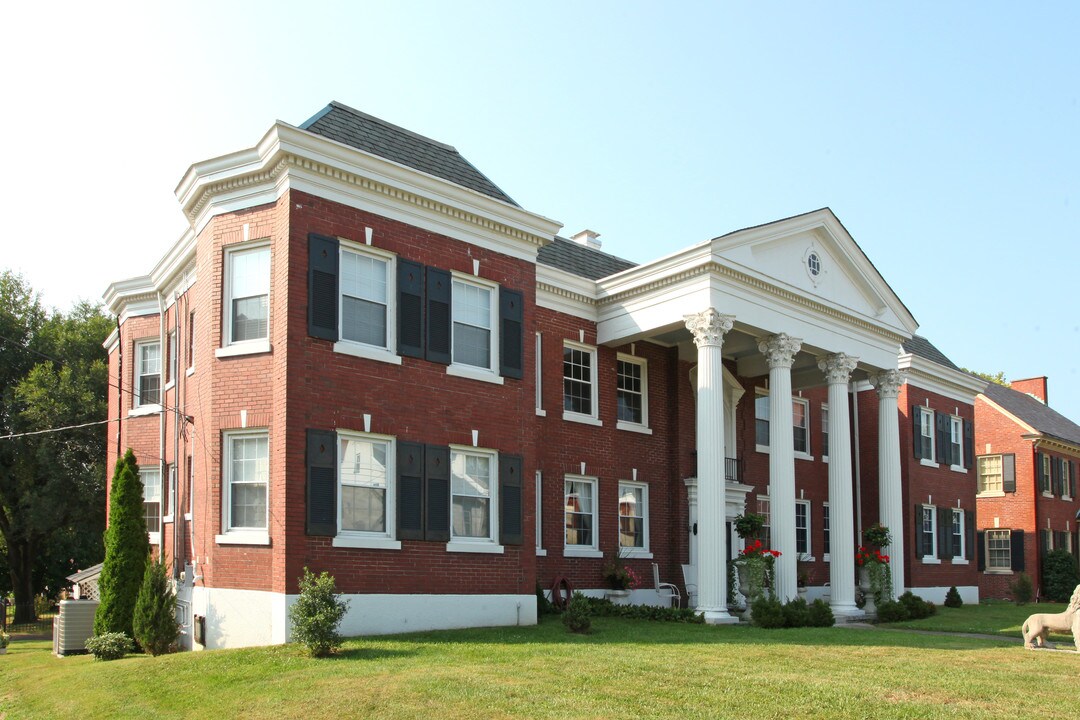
x=775 y=553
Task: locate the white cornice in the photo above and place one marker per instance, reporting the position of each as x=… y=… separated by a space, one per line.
x=566 y=293
x=940 y=379
x=1053 y=443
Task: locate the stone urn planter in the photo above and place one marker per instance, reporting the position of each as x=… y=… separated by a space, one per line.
x=619 y=597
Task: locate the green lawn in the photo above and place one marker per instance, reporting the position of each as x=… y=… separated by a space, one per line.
x=989 y=618
x=624 y=669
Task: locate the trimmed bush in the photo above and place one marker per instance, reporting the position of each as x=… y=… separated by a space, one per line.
x=127 y=549
x=1060 y=576
x=602 y=607
x=543 y=605
x=317 y=614
x=892 y=611
x=821 y=614
x=796 y=613
x=156 y=629
x=1023 y=590
x=953 y=599
x=767 y=612
x=916 y=607
x=576 y=618
x=110 y=646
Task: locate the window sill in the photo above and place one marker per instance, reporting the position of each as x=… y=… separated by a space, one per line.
x=825 y=459
x=190 y=371
x=253 y=347
x=541 y=552
x=928 y=463
x=958 y=469
x=803 y=456
x=581 y=552
x=187 y=516
x=991 y=494
x=583 y=419
x=369 y=543
x=990 y=571
x=367 y=352
x=762 y=449
x=474 y=547
x=243 y=538
x=541 y=412
x=1047 y=494
x=931 y=561
x=169 y=385
x=1067 y=498
x=633 y=427
x=472 y=373
x=635 y=554
x=960 y=561
x=167 y=519
x=155 y=538
x=826 y=557
x=152 y=409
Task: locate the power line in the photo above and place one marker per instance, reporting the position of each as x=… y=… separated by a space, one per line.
x=57 y=429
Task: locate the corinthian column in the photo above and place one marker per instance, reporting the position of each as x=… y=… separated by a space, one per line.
x=837 y=370
x=890 y=497
x=708 y=329
x=780 y=351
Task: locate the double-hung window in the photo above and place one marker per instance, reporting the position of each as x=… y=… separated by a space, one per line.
x=764 y=509
x=1046 y=483
x=365 y=298
x=579 y=382
x=580 y=517
x=247 y=295
x=926 y=435
x=474 y=311
x=172 y=354
x=800 y=418
x=800 y=424
x=956 y=442
x=472 y=490
x=633 y=517
x=957 y=530
x=539 y=488
x=246 y=481
x=802 y=527
x=928 y=533
x=632 y=392
x=990 y=475
x=826 y=541
x=825 y=432
x=151 y=480
x=365 y=472
x=998 y=551
x=147 y=373
x=761 y=421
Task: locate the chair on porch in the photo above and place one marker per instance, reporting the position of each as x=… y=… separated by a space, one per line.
x=665 y=590
x=689 y=574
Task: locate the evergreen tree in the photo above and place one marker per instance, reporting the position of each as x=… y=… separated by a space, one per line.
x=127 y=550
x=156 y=629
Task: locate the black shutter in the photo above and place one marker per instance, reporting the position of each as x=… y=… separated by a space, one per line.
x=437 y=493
x=511 y=333
x=981 y=540
x=323 y=287
x=919 y=545
x=510 y=500
x=969 y=534
x=410 y=491
x=944 y=533
x=969 y=443
x=1008 y=473
x=916 y=435
x=1039 y=474
x=410 y=309
x=1055 y=476
x=438 y=315
x=1016 y=548
x=321 y=483
x=1072 y=479
x=944 y=438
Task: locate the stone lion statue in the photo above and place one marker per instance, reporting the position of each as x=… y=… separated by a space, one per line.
x=1039 y=625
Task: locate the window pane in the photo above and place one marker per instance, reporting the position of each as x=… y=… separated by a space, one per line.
x=629 y=392
x=577 y=381
x=471 y=517
x=250 y=273
x=578 y=516
x=149 y=389
x=472 y=345
x=363 y=485
x=249 y=505
x=761 y=422
x=472 y=305
x=249 y=473
x=631 y=532
x=250 y=318
x=363 y=321
x=363 y=509
x=363 y=277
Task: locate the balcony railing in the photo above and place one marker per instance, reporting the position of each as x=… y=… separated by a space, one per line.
x=733 y=469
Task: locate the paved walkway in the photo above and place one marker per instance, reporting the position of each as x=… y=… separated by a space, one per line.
x=1060 y=647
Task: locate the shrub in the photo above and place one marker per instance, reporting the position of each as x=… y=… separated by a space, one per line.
x=1060 y=577
x=821 y=614
x=916 y=607
x=110 y=646
x=796 y=613
x=602 y=607
x=42 y=605
x=767 y=612
x=892 y=611
x=317 y=614
x=576 y=618
x=953 y=599
x=126 y=551
x=1023 y=590
x=156 y=629
x=543 y=605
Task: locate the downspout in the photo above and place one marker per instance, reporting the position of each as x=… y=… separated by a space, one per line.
x=854 y=389
x=162 y=465
x=119 y=387
x=174 y=481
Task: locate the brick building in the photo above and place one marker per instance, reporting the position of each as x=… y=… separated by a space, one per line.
x=364 y=357
x=1027 y=465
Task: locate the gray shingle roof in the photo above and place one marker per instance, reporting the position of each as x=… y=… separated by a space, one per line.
x=918 y=345
x=362 y=131
x=1043 y=418
x=580 y=260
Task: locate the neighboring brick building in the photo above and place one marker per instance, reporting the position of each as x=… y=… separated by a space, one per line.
x=366 y=358
x=1027 y=455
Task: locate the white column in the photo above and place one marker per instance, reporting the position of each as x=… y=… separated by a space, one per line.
x=708 y=329
x=890 y=497
x=780 y=351
x=837 y=370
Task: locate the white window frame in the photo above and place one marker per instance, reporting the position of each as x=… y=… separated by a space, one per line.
x=997 y=569
x=809 y=552
x=191 y=486
x=491 y=372
x=172 y=360
x=959 y=558
x=386 y=540
x=490 y=543
x=643 y=364
x=801 y=454
x=764 y=508
x=592 y=550
x=387 y=353
x=927 y=420
x=190 y=344
x=760 y=395
x=956 y=439
x=540 y=376
x=168 y=494
x=932 y=558
x=643 y=552
x=1048 y=473
x=255 y=345
x=980 y=474
x=540 y=551
x=826 y=532
x=138 y=407
x=144 y=472
x=825 y=432
x=241 y=535
x=592 y=418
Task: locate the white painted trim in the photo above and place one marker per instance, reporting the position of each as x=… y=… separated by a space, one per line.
x=928 y=463
x=368 y=352
x=482 y=547
x=632 y=427
x=581 y=552
x=953 y=384
x=385 y=540
x=238 y=537
x=368 y=543
x=579 y=418
x=475 y=373
x=229 y=252
x=251 y=347
x=151 y=409
x=491 y=541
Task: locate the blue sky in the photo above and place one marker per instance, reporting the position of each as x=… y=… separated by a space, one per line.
x=944 y=135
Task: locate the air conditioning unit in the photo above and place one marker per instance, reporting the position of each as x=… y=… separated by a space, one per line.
x=73 y=626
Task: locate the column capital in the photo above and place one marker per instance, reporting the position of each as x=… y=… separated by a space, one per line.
x=780 y=349
x=888 y=382
x=838 y=367
x=708 y=327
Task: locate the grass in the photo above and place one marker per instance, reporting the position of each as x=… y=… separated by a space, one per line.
x=626 y=668
x=993 y=617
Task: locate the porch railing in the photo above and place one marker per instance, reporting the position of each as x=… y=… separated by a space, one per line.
x=733 y=469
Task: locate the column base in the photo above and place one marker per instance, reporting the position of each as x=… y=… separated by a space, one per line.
x=718 y=617
x=847 y=613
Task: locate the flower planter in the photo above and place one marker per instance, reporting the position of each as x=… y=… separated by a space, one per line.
x=619 y=597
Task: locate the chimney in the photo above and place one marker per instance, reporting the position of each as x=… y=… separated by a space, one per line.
x=1035 y=387
x=587 y=238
